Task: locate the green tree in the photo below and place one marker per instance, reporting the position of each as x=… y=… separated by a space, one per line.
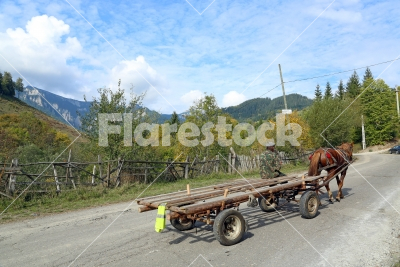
x=353 y=85
x=328 y=91
x=318 y=93
x=325 y=117
x=206 y=110
x=113 y=102
x=379 y=108
x=367 y=75
x=19 y=86
x=8 y=84
x=174 y=119
x=340 y=92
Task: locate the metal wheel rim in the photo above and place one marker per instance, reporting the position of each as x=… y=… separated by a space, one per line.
x=232 y=227
x=312 y=204
x=188 y=222
x=270 y=201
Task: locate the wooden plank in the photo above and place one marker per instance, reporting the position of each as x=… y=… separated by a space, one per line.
x=211 y=188
x=210 y=194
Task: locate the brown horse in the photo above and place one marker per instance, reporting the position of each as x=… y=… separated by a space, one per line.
x=332 y=160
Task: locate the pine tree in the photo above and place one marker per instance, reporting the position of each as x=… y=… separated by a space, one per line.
x=328 y=91
x=174 y=119
x=380 y=113
x=367 y=75
x=318 y=93
x=353 y=85
x=340 y=91
x=8 y=84
x=19 y=86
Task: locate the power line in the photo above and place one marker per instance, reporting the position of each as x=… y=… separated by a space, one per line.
x=325 y=75
x=334 y=73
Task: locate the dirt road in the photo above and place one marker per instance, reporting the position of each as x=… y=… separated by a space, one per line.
x=362 y=230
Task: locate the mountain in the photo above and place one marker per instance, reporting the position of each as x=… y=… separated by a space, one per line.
x=64 y=109
x=61 y=108
x=263 y=108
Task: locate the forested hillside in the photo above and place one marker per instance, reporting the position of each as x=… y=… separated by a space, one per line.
x=23 y=129
x=263 y=108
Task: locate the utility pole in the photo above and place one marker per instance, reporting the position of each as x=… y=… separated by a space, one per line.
x=363 y=132
x=286 y=110
x=283 y=87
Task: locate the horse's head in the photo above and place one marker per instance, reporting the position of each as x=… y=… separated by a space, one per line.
x=348 y=148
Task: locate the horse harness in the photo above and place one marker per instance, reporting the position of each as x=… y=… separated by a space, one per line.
x=329 y=155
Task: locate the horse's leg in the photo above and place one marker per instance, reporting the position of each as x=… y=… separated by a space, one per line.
x=339 y=193
x=329 y=193
x=340 y=185
x=330 y=175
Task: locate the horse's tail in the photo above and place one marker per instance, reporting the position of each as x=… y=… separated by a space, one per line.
x=313 y=168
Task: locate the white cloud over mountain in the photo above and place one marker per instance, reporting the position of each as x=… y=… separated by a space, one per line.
x=233 y=98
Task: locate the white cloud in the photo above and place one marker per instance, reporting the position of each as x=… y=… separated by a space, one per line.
x=192 y=96
x=143 y=78
x=41 y=52
x=233 y=98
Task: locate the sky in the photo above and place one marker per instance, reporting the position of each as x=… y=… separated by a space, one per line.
x=176 y=51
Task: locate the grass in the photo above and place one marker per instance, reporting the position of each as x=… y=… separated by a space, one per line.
x=12 y=105
x=29 y=205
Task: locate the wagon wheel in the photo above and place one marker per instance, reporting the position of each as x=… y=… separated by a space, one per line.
x=182 y=224
x=229 y=227
x=268 y=204
x=309 y=203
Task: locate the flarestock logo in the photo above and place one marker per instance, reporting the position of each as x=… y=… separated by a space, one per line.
x=146 y=134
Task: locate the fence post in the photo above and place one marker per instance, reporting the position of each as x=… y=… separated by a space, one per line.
x=233 y=159
x=69 y=169
x=229 y=163
x=108 y=174
x=118 y=178
x=145 y=173
x=191 y=166
x=99 y=160
x=204 y=165
x=94 y=173
x=56 y=179
x=217 y=163
x=187 y=168
x=13 y=178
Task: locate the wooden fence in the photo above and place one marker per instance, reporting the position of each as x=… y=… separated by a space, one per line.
x=245 y=163
x=68 y=175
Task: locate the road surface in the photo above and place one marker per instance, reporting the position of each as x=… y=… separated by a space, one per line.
x=362 y=230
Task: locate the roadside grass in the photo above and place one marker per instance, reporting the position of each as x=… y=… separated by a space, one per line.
x=30 y=205
x=397 y=264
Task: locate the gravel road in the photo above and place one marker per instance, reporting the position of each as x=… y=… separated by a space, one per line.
x=362 y=230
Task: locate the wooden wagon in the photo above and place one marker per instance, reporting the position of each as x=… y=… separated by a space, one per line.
x=219 y=204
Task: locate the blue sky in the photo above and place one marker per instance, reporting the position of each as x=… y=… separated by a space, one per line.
x=183 y=54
